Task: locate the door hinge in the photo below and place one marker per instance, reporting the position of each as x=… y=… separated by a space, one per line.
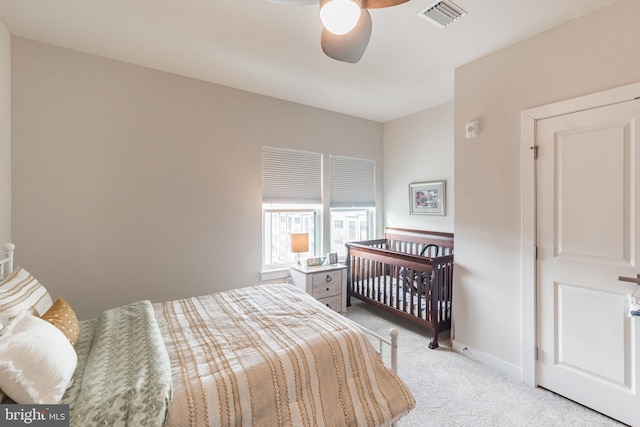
x=535 y=252
x=535 y=352
x=535 y=151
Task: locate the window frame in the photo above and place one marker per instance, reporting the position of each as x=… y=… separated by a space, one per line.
x=315 y=243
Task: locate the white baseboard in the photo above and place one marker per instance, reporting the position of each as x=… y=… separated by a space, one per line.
x=512 y=371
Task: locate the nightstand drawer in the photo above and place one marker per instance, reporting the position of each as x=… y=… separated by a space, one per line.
x=334 y=302
x=326 y=277
x=325 y=289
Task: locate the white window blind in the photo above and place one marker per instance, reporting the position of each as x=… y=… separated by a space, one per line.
x=352 y=182
x=291 y=176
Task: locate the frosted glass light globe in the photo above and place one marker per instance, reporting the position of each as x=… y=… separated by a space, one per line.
x=340 y=16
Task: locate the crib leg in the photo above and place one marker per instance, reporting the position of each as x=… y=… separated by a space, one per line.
x=434 y=342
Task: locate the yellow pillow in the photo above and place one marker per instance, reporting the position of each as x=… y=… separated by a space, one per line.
x=62 y=316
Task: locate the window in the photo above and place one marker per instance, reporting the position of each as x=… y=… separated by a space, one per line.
x=349 y=225
x=291 y=203
x=278 y=225
x=352 y=201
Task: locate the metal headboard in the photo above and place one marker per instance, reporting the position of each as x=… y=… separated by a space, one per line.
x=6 y=263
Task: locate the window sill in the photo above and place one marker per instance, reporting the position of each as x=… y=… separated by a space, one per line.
x=268 y=275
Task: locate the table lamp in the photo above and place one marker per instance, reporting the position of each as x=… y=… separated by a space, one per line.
x=299 y=244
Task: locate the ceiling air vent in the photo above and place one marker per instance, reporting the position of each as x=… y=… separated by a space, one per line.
x=442 y=13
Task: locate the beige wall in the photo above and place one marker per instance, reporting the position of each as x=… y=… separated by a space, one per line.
x=5 y=135
x=418 y=148
x=131 y=183
x=589 y=54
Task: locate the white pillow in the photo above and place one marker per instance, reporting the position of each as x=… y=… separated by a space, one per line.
x=36 y=361
x=21 y=291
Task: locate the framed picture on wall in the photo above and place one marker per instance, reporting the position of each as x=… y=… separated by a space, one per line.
x=427 y=198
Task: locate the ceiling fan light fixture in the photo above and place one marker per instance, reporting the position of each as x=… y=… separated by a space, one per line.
x=340 y=16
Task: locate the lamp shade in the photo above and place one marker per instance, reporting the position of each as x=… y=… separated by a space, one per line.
x=299 y=242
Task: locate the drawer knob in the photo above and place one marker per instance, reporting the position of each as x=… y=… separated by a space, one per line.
x=328 y=278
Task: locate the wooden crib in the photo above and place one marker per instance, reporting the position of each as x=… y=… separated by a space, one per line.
x=409 y=272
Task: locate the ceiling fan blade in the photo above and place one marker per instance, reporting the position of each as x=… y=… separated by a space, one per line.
x=376 y=4
x=351 y=46
x=293 y=2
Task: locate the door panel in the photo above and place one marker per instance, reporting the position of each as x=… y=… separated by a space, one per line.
x=587 y=224
x=585 y=196
x=577 y=347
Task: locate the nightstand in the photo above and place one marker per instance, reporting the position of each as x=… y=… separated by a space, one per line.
x=327 y=283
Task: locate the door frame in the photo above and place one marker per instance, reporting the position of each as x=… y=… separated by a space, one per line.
x=528 y=267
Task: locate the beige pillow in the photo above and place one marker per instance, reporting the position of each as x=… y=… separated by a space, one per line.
x=62 y=316
x=22 y=292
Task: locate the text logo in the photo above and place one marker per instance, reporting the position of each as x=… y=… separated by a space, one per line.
x=34 y=415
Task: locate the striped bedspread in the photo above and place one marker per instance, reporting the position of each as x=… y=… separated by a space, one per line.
x=271 y=355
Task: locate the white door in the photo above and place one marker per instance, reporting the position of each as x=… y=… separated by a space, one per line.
x=588 y=182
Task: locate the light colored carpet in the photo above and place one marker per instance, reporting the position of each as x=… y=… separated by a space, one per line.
x=453 y=390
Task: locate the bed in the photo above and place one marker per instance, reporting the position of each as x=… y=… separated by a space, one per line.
x=409 y=273
x=265 y=355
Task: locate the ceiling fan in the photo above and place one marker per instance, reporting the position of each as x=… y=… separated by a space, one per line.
x=346 y=25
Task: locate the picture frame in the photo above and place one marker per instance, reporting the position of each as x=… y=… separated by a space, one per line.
x=333 y=258
x=428 y=198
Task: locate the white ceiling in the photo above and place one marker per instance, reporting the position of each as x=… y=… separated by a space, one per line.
x=274 y=49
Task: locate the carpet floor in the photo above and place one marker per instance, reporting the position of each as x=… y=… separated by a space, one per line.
x=453 y=390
